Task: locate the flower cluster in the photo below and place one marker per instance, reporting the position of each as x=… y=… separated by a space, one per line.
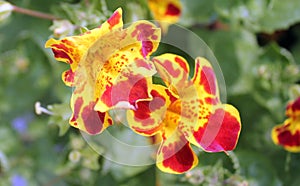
x=111 y=68
x=288 y=133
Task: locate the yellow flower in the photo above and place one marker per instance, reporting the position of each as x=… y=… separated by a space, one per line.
x=165 y=12
x=185 y=111
x=287 y=135
x=109 y=68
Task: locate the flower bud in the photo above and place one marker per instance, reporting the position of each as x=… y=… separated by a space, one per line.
x=5 y=10
x=62 y=28
x=74 y=156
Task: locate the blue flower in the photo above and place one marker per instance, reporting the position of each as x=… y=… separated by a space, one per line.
x=18 y=180
x=20 y=124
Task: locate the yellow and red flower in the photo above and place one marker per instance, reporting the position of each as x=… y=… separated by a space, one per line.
x=166 y=12
x=185 y=111
x=110 y=68
x=287 y=134
x=106 y=61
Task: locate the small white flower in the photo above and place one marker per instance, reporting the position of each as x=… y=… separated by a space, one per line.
x=5 y=10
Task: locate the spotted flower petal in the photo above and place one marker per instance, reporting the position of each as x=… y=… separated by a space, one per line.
x=175 y=155
x=204 y=120
x=160 y=117
x=288 y=134
x=220 y=132
x=126 y=75
x=293 y=108
x=147 y=118
x=84 y=116
x=166 y=12
x=114 y=74
x=109 y=69
x=72 y=49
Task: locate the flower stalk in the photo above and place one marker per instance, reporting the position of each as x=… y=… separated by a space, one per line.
x=34 y=13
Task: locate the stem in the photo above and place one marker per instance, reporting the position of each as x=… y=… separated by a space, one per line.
x=34 y=13
x=287 y=162
x=235 y=161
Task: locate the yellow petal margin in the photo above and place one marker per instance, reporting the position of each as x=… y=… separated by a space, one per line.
x=287 y=134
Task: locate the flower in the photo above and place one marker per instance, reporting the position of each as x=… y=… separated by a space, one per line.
x=185 y=111
x=166 y=12
x=5 y=10
x=287 y=134
x=62 y=28
x=20 y=124
x=109 y=68
x=18 y=180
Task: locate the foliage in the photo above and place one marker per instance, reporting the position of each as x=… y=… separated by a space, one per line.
x=257 y=46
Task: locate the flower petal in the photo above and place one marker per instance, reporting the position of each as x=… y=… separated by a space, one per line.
x=205 y=81
x=68 y=77
x=72 y=49
x=293 y=108
x=145 y=35
x=122 y=71
x=288 y=135
x=175 y=155
x=166 y=12
x=84 y=116
x=221 y=131
x=147 y=118
x=173 y=69
x=122 y=88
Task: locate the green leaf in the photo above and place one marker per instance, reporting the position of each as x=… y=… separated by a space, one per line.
x=197 y=11
x=60 y=117
x=280 y=15
x=260 y=15
x=257 y=169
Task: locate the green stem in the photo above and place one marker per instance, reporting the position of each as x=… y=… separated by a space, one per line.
x=287 y=162
x=235 y=162
x=34 y=13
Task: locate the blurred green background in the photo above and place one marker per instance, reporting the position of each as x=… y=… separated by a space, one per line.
x=256 y=42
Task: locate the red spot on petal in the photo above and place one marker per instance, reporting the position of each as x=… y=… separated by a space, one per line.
x=150 y=131
x=145 y=108
x=143 y=63
x=77 y=107
x=171 y=97
x=178 y=157
x=220 y=133
x=131 y=90
x=286 y=138
x=172 y=10
x=154 y=37
x=208 y=80
x=69 y=76
x=114 y=19
x=92 y=120
x=62 y=54
x=110 y=122
x=147 y=47
x=182 y=63
x=68 y=42
x=294 y=106
x=212 y=101
x=143 y=31
x=167 y=64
